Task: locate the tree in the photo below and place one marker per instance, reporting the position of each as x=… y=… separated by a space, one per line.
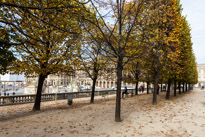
x=47 y=39
x=92 y=59
x=117 y=34
x=133 y=73
x=155 y=40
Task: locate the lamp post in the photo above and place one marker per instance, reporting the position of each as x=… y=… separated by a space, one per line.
x=71 y=84
x=0 y=87
x=58 y=84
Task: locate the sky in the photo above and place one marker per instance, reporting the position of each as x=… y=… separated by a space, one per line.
x=195 y=12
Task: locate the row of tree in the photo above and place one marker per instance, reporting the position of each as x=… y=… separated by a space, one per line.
x=166 y=50
x=148 y=40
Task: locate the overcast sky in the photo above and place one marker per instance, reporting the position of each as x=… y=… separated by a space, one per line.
x=195 y=12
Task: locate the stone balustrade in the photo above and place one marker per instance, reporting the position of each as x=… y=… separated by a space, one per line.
x=22 y=99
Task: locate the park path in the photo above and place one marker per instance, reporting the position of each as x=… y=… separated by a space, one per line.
x=180 y=116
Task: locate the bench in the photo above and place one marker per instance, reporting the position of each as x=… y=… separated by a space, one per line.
x=129 y=92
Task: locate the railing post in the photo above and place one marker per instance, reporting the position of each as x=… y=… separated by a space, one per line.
x=70 y=99
x=8 y=100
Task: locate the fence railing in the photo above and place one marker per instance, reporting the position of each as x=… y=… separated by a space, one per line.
x=22 y=99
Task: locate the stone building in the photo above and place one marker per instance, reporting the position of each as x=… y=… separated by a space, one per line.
x=201 y=75
x=106 y=79
x=62 y=79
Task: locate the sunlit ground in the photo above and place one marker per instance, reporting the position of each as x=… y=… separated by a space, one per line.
x=181 y=116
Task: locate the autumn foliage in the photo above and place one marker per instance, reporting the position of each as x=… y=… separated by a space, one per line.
x=146 y=40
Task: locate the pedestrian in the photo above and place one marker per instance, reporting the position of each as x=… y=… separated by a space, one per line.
x=140 y=88
x=124 y=92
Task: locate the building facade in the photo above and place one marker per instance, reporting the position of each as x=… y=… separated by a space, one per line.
x=60 y=79
x=106 y=79
x=201 y=75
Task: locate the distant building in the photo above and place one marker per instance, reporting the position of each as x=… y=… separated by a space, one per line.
x=12 y=78
x=54 y=79
x=201 y=75
x=106 y=79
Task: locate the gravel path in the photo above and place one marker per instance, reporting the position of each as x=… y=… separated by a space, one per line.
x=181 y=116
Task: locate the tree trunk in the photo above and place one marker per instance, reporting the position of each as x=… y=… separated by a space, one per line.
x=191 y=87
x=147 y=87
x=136 y=88
x=179 y=87
x=168 y=89
x=37 y=103
x=118 y=94
x=175 y=88
x=93 y=91
x=183 y=87
x=119 y=65
x=156 y=79
x=186 y=86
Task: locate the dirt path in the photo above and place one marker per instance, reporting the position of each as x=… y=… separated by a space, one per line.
x=182 y=116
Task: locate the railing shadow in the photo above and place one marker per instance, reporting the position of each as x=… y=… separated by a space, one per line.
x=26 y=110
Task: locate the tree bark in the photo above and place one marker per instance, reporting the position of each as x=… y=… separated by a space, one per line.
x=118 y=94
x=183 y=87
x=93 y=91
x=119 y=64
x=168 y=89
x=37 y=103
x=175 y=88
x=191 y=86
x=136 y=88
x=156 y=79
x=147 y=87
x=179 y=87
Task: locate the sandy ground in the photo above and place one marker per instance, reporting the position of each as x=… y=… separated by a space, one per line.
x=181 y=116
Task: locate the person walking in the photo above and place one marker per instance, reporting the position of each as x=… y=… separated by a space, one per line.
x=140 y=89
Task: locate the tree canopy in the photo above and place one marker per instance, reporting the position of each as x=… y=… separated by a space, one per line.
x=148 y=40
